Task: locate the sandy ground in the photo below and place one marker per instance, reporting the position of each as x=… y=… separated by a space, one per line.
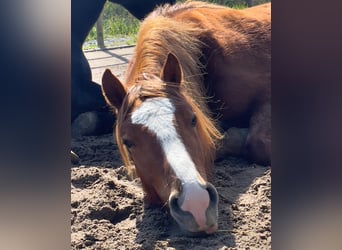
x=107 y=211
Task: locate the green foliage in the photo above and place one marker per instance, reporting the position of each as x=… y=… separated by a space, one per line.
x=117 y=23
x=92 y=34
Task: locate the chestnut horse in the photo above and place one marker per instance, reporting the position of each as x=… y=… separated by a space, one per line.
x=194 y=62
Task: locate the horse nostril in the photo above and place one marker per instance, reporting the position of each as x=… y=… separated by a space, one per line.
x=213 y=195
x=173 y=202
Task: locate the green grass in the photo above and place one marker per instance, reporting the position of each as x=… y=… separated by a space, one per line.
x=117 y=31
x=119 y=28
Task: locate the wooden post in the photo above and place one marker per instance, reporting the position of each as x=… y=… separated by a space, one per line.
x=99 y=32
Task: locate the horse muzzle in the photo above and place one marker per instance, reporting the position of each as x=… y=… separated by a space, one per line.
x=195 y=208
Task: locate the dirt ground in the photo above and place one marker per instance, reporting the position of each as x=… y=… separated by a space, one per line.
x=107 y=210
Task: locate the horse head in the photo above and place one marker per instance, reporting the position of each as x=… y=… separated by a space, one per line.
x=165 y=135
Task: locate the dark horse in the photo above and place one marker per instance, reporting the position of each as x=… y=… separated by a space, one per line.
x=193 y=62
x=85 y=94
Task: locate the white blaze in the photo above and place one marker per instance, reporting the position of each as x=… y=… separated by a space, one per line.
x=157 y=114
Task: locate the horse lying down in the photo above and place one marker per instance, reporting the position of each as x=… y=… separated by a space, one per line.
x=195 y=64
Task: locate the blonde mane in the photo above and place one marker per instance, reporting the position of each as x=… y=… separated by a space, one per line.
x=158 y=36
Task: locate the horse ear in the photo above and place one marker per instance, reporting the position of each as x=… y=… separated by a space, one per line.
x=112 y=89
x=172 y=71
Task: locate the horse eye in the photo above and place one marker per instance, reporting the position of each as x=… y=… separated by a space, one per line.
x=128 y=143
x=194 y=121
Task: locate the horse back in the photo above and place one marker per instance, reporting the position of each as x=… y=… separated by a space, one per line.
x=236 y=55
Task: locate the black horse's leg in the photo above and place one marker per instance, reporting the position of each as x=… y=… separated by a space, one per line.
x=86 y=96
x=88 y=107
